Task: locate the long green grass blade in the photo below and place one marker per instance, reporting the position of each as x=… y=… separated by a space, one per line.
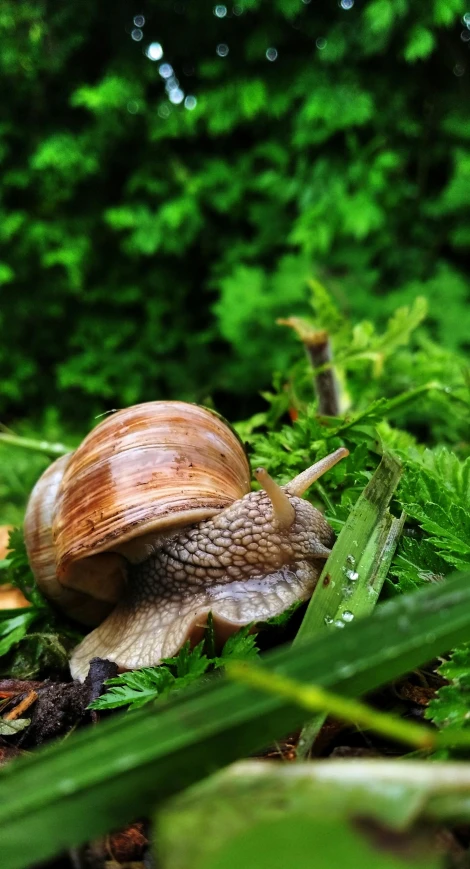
x=394 y=794
x=353 y=576
x=102 y=777
x=351 y=579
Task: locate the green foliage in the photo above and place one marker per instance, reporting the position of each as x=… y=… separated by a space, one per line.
x=34 y=640
x=449 y=708
x=113 y=773
x=435 y=492
x=273 y=844
x=138 y=687
x=163 y=241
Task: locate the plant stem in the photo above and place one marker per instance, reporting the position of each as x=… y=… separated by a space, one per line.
x=316 y=699
x=318 y=349
x=326 y=387
x=53 y=450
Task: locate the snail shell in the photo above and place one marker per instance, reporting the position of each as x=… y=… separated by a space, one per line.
x=139 y=475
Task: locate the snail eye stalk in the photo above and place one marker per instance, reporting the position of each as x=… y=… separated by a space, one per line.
x=299 y=485
x=284 y=512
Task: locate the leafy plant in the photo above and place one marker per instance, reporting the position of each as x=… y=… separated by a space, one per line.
x=125 y=205
x=113 y=772
x=450 y=707
x=35 y=639
x=138 y=687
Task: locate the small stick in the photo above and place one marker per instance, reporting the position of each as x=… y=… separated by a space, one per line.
x=22 y=707
x=318 y=348
x=326 y=386
x=12 y=687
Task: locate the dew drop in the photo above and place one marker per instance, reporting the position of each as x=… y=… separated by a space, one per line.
x=348 y=616
x=352 y=575
x=345 y=671
x=403 y=624
x=339 y=623
x=351 y=560
x=328 y=620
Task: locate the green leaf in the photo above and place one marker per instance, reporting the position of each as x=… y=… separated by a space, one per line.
x=241 y=646
x=450 y=707
x=13 y=629
x=234 y=801
x=436 y=494
x=135 y=688
x=138 y=687
x=420 y=44
x=102 y=777
x=10 y=728
x=272 y=845
x=352 y=578
x=189 y=662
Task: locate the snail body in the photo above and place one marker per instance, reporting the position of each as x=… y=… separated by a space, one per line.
x=150 y=525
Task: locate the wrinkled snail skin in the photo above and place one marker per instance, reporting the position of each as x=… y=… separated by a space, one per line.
x=239 y=566
x=150 y=525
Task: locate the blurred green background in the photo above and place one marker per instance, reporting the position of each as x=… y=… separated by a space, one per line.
x=173 y=173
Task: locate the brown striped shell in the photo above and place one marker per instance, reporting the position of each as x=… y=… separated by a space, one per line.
x=140 y=474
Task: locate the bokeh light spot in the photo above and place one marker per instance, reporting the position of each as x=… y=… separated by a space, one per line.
x=176 y=96
x=222 y=49
x=190 y=103
x=320 y=43
x=139 y=20
x=154 y=51
x=137 y=34
x=220 y=11
x=164 y=111
x=165 y=70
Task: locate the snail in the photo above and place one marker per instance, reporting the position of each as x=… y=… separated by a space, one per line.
x=150 y=525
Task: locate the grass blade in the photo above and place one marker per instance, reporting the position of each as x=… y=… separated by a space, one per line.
x=394 y=794
x=353 y=576
x=102 y=777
